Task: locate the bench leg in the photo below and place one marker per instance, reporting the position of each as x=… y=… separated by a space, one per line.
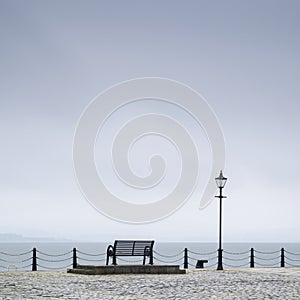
x=151 y=259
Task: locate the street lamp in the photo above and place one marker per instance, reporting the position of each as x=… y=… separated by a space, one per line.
x=221 y=181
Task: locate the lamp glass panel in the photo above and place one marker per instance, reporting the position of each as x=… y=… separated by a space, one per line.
x=221 y=181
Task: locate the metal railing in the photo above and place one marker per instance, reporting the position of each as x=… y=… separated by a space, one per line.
x=38 y=260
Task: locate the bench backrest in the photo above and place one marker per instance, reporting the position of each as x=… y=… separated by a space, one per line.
x=132 y=248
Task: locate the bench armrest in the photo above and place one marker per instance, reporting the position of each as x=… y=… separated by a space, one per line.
x=110 y=250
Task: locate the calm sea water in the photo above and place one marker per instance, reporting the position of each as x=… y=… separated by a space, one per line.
x=54 y=256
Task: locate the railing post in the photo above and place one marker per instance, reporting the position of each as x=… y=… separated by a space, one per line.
x=34 y=261
x=282 y=264
x=74 y=258
x=252 y=258
x=220 y=259
x=186 y=261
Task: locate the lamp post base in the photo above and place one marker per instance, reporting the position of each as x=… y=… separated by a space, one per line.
x=220 y=263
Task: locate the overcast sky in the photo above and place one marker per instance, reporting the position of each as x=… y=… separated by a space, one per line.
x=242 y=56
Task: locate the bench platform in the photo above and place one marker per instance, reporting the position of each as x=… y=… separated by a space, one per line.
x=126 y=269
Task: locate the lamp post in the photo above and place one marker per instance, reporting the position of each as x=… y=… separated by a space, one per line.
x=221 y=181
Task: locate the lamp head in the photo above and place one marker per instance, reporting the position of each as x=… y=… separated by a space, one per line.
x=221 y=180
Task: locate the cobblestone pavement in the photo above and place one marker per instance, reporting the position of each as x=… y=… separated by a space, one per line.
x=279 y=283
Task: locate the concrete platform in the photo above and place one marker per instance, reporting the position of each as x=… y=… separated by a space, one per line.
x=126 y=269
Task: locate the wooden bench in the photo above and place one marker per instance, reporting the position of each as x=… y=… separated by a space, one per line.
x=130 y=248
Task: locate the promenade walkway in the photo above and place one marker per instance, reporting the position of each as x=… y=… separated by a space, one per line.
x=273 y=283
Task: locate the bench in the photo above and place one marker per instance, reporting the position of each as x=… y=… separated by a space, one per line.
x=130 y=248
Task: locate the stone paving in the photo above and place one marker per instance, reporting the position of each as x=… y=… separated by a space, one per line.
x=277 y=283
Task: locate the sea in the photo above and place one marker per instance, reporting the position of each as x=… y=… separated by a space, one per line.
x=18 y=256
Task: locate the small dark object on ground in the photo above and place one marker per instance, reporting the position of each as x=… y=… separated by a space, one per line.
x=200 y=263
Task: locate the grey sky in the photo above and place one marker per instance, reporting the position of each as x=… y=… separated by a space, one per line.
x=242 y=56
